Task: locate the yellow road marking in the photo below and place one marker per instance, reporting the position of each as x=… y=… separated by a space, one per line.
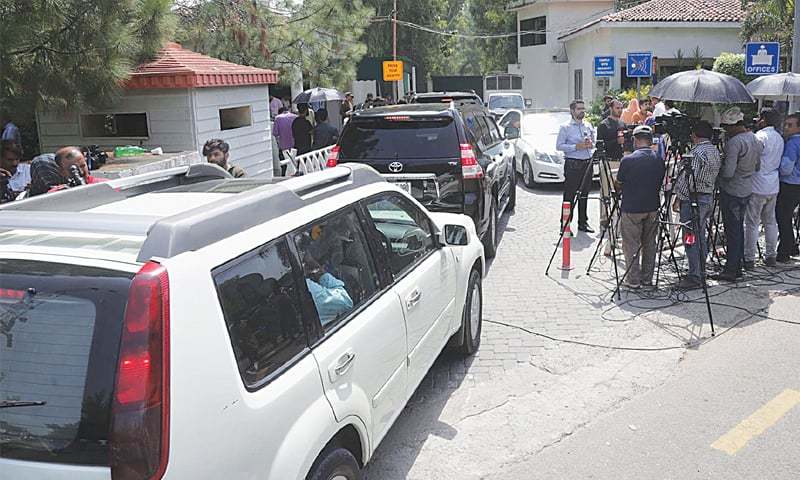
x=755 y=424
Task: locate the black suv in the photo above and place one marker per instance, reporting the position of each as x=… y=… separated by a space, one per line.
x=447 y=97
x=451 y=157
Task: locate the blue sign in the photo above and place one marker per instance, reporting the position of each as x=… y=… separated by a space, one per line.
x=640 y=65
x=762 y=58
x=604 y=66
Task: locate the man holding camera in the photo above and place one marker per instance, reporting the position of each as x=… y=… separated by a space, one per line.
x=696 y=182
x=742 y=159
x=576 y=140
x=761 y=208
x=611 y=132
x=640 y=176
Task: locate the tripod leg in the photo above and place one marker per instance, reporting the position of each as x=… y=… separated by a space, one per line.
x=574 y=204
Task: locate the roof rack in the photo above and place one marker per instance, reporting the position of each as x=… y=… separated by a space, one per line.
x=189 y=230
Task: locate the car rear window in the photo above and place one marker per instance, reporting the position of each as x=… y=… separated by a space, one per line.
x=60 y=329
x=402 y=136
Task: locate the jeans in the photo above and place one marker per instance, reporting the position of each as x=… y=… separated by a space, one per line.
x=639 y=243
x=760 y=210
x=788 y=199
x=576 y=177
x=733 y=211
x=697 y=253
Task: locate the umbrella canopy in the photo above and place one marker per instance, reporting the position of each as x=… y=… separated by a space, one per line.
x=702 y=86
x=778 y=85
x=319 y=95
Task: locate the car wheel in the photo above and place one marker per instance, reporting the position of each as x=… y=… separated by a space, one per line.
x=512 y=197
x=490 y=237
x=472 y=321
x=335 y=464
x=527 y=173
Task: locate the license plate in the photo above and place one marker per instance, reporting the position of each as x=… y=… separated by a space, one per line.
x=406 y=186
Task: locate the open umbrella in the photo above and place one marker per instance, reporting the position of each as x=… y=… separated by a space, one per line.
x=319 y=95
x=702 y=86
x=777 y=85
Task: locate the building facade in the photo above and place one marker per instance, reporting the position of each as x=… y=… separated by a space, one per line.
x=559 y=65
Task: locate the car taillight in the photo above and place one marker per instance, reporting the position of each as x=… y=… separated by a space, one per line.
x=333 y=156
x=140 y=407
x=470 y=169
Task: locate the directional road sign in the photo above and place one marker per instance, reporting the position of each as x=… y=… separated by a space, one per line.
x=640 y=65
x=762 y=58
x=604 y=66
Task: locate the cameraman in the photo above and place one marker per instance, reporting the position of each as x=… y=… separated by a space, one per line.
x=611 y=132
x=65 y=159
x=576 y=140
x=640 y=176
x=742 y=159
x=699 y=178
x=761 y=208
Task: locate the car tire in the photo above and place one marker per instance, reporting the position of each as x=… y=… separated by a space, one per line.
x=490 y=236
x=472 y=318
x=527 y=173
x=512 y=196
x=335 y=463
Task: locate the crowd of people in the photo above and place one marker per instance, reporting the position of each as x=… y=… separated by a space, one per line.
x=753 y=176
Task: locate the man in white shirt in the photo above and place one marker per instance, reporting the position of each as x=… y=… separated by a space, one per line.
x=659 y=107
x=766 y=184
x=18 y=174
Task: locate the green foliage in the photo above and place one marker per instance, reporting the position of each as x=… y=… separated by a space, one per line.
x=492 y=16
x=74 y=52
x=320 y=38
x=731 y=64
x=769 y=20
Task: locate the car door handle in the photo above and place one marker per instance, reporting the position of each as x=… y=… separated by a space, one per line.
x=413 y=299
x=342 y=365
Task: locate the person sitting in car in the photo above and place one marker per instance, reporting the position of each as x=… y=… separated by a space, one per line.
x=328 y=292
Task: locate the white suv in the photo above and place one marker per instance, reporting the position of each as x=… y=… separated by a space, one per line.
x=187 y=325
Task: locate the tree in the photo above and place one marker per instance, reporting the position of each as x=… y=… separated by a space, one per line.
x=769 y=20
x=75 y=52
x=492 y=17
x=320 y=38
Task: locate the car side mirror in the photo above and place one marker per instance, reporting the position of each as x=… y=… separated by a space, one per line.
x=528 y=103
x=511 y=133
x=454 y=235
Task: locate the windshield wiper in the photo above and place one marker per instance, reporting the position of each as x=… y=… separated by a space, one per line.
x=19 y=403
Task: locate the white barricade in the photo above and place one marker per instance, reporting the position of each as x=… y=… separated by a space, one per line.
x=305 y=163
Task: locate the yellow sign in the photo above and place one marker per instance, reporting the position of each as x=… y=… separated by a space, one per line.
x=393 y=71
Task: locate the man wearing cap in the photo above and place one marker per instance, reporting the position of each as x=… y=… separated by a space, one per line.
x=639 y=177
x=742 y=159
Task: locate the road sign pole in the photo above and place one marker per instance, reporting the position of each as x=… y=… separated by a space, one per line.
x=638 y=88
x=394 y=44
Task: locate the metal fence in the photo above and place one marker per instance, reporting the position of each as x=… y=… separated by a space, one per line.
x=305 y=163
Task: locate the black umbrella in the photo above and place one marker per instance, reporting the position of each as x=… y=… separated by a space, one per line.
x=319 y=95
x=702 y=86
x=778 y=85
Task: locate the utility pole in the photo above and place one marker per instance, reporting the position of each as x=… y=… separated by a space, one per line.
x=395 y=90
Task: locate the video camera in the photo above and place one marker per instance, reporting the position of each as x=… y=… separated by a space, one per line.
x=677 y=125
x=95 y=157
x=75 y=179
x=6 y=195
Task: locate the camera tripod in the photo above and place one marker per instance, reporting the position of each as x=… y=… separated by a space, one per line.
x=609 y=202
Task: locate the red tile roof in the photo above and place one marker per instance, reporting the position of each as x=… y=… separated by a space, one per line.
x=674 y=11
x=177 y=67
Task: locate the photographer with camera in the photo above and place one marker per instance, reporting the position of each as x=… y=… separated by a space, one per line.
x=73 y=169
x=640 y=176
x=14 y=176
x=697 y=181
x=761 y=207
x=742 y=159
x=611 y=133
x=576 y=140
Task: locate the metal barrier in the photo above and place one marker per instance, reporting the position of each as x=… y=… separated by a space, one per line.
x=306 y=163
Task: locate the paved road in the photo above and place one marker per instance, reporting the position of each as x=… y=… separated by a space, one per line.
x=525 y=393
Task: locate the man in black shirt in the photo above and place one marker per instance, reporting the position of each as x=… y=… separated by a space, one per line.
x=607 y=100
x=610 y=132
x=301 y=130
x=640 y=176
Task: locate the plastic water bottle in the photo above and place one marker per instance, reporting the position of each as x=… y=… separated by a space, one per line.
x=129 y=151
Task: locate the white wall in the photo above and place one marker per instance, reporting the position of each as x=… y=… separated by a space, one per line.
x=251 y=147
x=168 y=115
x=545 y=80
x=664 y=42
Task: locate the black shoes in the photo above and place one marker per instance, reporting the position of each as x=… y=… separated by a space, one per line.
x=689 y=283
x=783 y=258
x=585 y=228
x=727 y=276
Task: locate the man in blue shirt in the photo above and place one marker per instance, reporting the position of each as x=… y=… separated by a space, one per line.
x=640 y=176
x=789 y=195
x=576 y=140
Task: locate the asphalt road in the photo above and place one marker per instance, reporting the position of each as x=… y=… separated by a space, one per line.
x=731 y=411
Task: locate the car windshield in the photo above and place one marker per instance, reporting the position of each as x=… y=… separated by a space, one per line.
x=542 y=128
x=506 y=101
x=60 y=327
x=393 y=137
